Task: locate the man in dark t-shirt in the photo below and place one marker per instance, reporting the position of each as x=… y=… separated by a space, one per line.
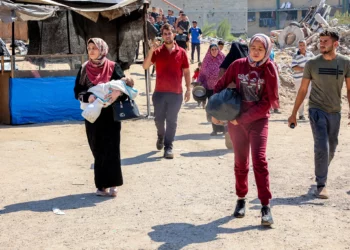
x=154 y=13
x=182 y=39
x=184 y=23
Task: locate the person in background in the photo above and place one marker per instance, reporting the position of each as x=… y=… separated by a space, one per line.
x=255 y=78
x=238 y=50
x=172 y=65
x=221 y=45
x=158 y=25
x=160 y=12
x=182 y=39
x=179 y=18
x=195 y=34
x=104 y=134
x=184 y=23
x=209 y=75
x=272 y=58
x=171 y=18
x=154 y=13
x=196 y=72
x=298 y=63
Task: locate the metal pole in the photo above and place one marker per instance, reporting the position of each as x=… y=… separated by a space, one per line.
x=13 y=62
x=145 y=52
x=278 y=4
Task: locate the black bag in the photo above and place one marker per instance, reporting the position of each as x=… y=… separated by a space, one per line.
x=224 y=106
x=125 y=110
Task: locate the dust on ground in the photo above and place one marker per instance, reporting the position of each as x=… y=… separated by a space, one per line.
x=185 y=203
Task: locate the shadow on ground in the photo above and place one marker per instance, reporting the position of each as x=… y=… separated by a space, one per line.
x=179 y=235
x=209 y=153
x=198 y=137
x=305 y=199
x=75 y=201
x=192 y=105
x=141 y=159
x=42 y=124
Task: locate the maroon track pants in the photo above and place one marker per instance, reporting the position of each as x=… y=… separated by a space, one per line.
x=245 y=137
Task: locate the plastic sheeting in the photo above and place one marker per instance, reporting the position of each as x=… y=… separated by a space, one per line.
x=40 y=100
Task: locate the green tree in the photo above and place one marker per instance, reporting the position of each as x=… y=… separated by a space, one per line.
x=224 y=29
x=208 y=29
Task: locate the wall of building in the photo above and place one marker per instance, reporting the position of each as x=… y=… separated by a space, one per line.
x=212 y=11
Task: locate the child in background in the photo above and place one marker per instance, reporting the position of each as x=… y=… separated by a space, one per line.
x=196 y=72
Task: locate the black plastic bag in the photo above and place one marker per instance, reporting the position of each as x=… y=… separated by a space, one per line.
x=224 y=106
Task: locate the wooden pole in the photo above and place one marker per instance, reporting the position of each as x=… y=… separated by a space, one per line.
x=2 y=65
x=172 y=5
x=68 y=32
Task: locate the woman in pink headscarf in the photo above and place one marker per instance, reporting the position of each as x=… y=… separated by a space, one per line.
x=209 y=75
x=256 y=79
x=104 y=134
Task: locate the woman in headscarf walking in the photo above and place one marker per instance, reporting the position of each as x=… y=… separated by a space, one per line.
x=104 y=134
x=209 y=75
x=256 y=80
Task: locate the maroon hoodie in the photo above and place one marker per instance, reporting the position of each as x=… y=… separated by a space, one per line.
x=257 y=86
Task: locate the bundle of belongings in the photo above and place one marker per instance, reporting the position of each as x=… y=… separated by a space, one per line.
x=224 y=106
x=91 y=111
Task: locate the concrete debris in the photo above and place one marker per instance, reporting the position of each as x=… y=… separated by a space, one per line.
x=308 y=29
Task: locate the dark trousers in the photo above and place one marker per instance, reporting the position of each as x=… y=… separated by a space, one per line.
x=246 y=137
x=166 y=109
x=194 y=46
x=325 y=129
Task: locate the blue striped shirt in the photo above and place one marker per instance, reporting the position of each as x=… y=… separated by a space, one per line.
x=300 y=60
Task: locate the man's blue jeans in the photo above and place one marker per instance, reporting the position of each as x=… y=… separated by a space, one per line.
x=325 y=129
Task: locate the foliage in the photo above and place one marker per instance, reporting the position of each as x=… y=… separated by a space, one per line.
x=208 y=29
x=224 y=29
x=343 y=18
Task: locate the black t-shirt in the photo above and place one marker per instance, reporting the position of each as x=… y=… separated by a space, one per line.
x=181 y=40
x=154 y=15
x=184 y=24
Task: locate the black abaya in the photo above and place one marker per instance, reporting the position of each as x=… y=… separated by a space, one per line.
x=104 y=138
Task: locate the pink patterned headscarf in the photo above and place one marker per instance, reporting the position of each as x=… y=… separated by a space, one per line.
x=101 y=69
x=265 y=40
x=209 y=73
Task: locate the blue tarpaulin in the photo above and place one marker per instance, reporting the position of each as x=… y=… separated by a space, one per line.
x=39 y=100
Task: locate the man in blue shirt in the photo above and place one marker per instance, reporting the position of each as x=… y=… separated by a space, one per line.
x=171 y=18
x=195 y=35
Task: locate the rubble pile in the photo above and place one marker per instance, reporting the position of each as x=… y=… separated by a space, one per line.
x=344 y=41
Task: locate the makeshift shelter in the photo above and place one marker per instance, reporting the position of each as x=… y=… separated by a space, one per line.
x=60 y=29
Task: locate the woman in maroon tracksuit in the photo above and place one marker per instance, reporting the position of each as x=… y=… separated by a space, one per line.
x=256 y=80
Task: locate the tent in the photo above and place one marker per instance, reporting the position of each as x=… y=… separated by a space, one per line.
x=63 y=27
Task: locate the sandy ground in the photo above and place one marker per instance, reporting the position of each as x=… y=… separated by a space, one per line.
x=185 y=203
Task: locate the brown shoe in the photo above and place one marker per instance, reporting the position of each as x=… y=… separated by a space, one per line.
x=321 y=193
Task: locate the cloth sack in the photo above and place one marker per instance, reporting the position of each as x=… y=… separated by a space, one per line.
x=224 y=106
